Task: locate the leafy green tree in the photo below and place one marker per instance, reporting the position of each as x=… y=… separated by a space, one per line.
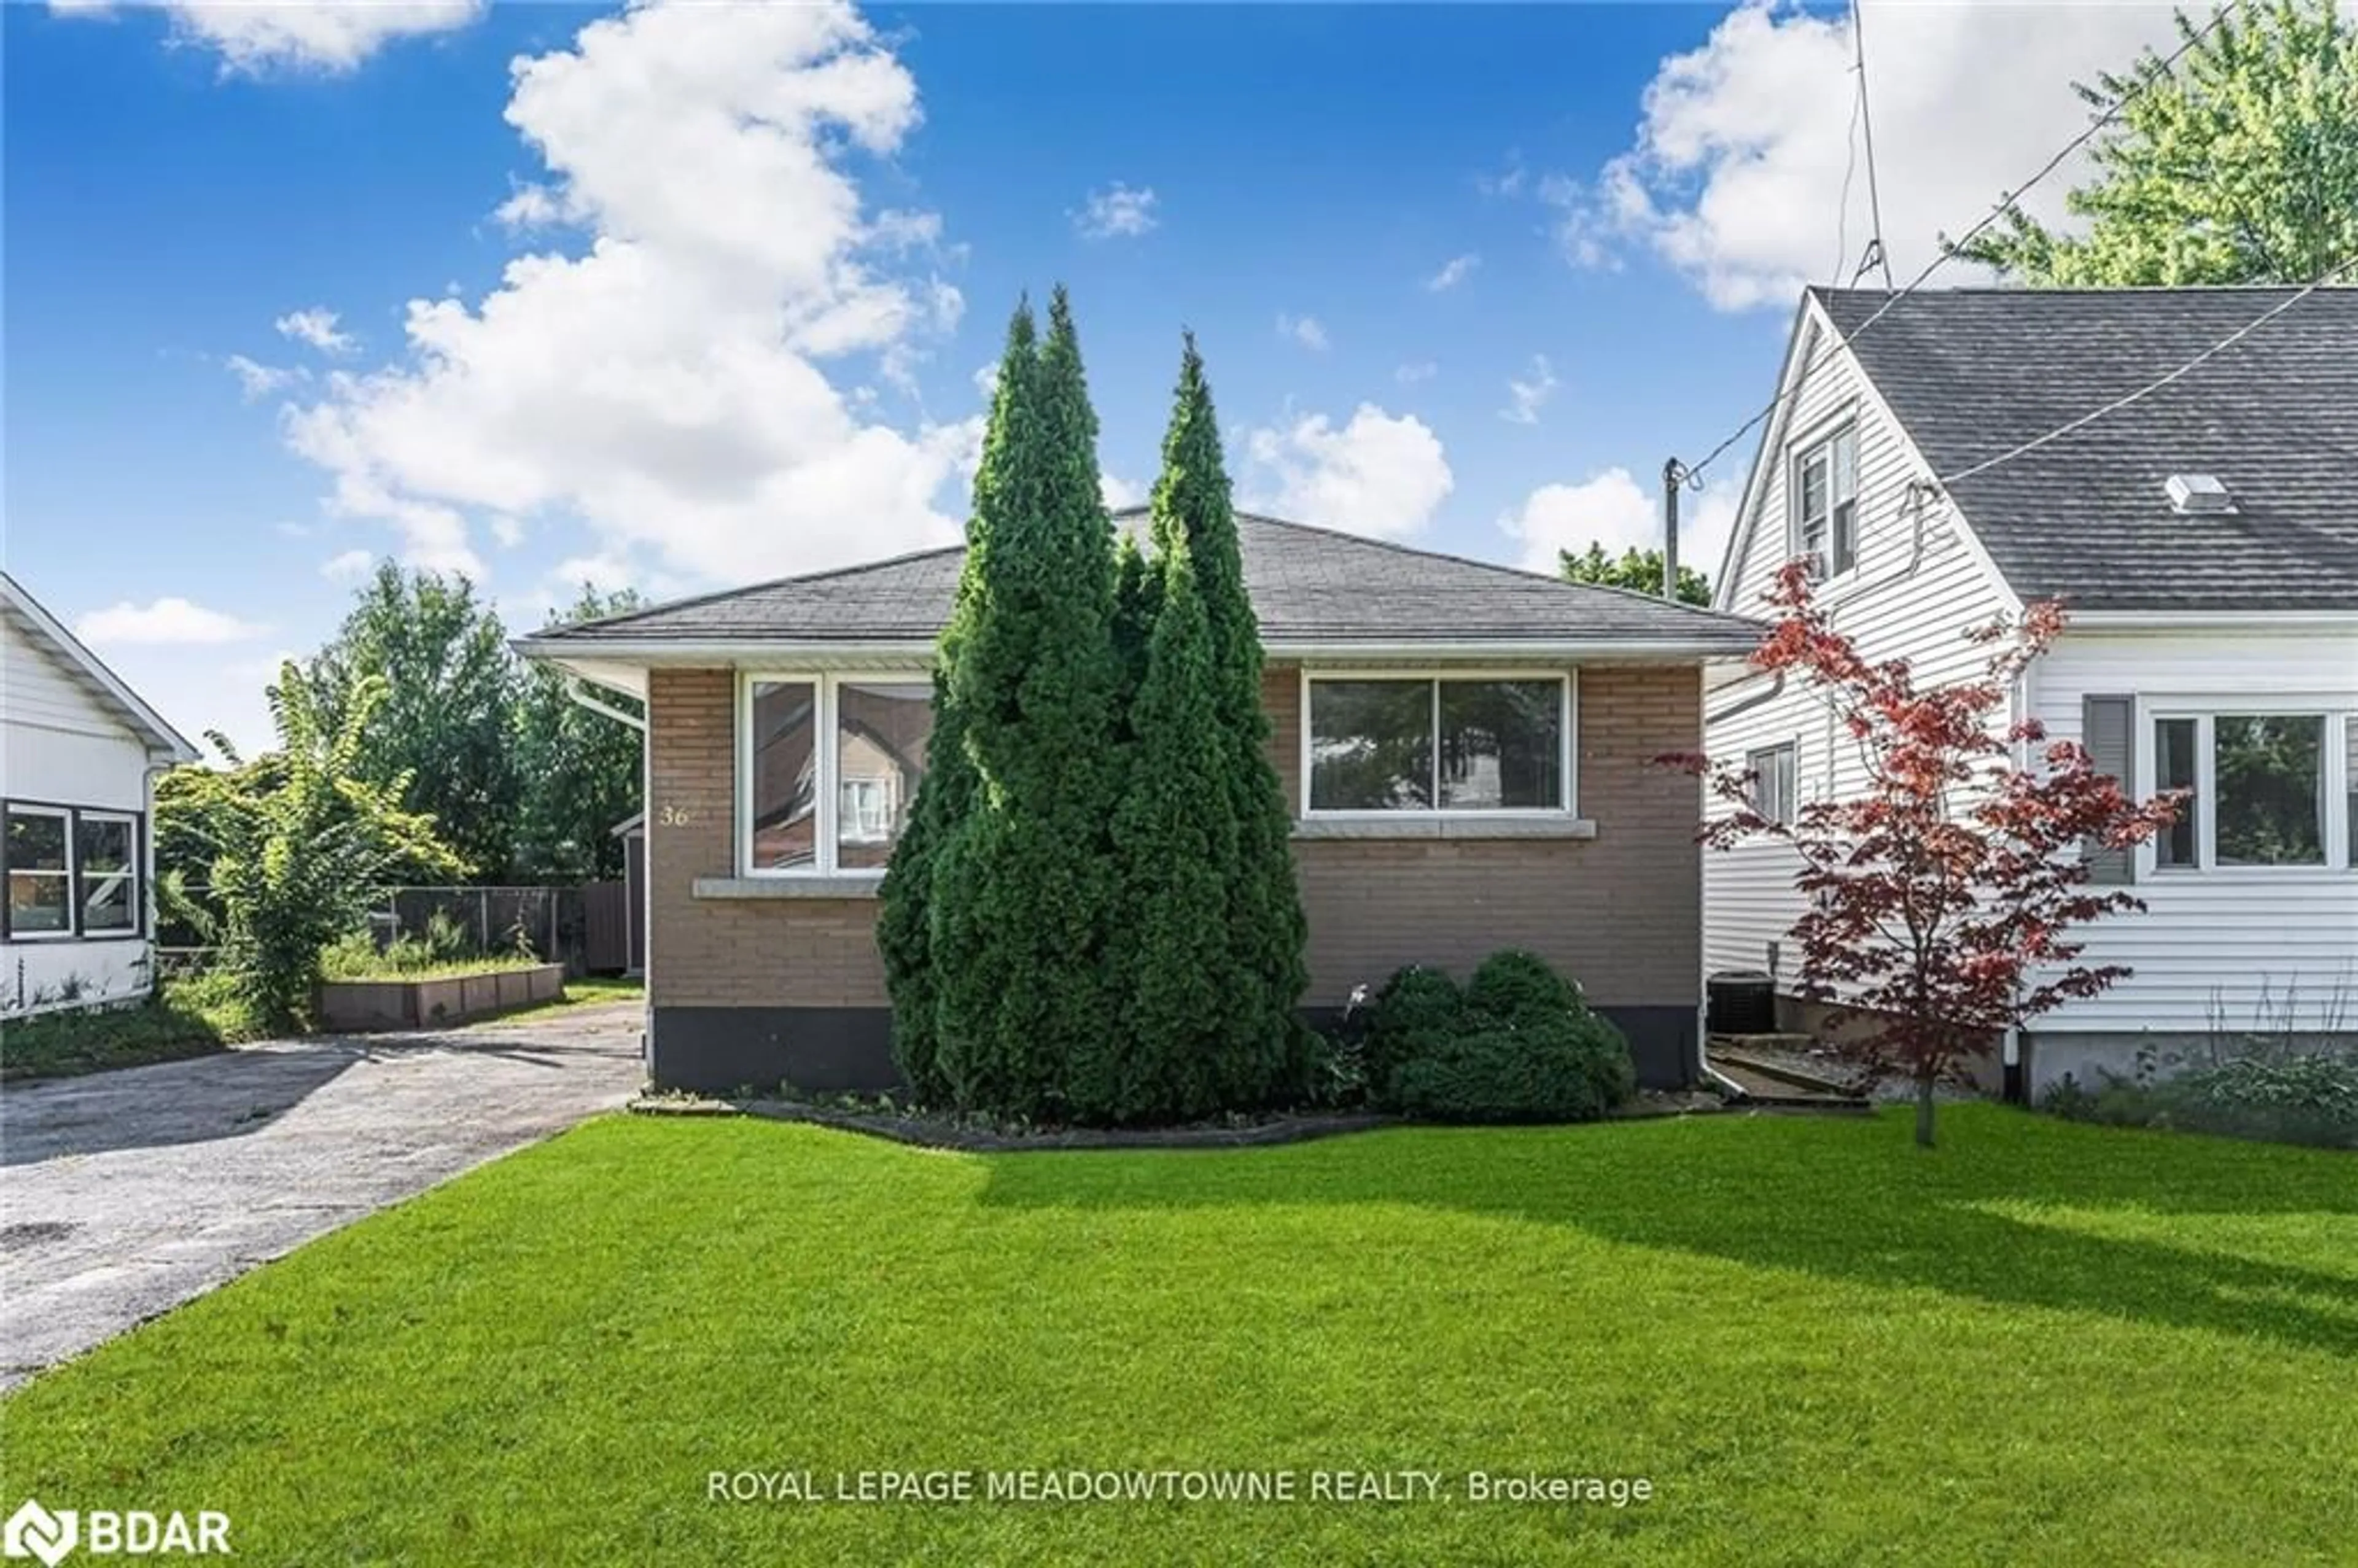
x=915 y=935
x=1637 y=569
x=1252 y=1032
x=578 y=772
x=447 y=716
x=294 y=844
x=1024 y=887
x=2237 y=165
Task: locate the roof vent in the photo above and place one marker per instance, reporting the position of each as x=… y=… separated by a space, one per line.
x=2192 y=492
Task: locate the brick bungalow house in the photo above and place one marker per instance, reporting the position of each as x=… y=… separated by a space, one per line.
x=1466 y=750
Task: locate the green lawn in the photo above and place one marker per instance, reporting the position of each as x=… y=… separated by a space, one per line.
x=2042 y=1343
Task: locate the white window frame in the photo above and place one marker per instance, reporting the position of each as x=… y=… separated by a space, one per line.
x=131 y=872
x=2340 y=712
x=1819 y=442
x=826 y=716
x=1568 y=684
x=1762 y=761
x=71 y=931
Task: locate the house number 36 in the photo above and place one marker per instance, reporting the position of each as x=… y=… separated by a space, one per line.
x=677 y=816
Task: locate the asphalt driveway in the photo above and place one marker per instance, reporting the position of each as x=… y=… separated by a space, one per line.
x=125 y=1193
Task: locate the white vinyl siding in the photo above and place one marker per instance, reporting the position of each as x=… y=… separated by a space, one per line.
x=2226 y=945
x=1894 y=600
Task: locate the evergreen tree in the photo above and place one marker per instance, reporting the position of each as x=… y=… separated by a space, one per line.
x=1023 y=888
x=1261 y=1043
x=908 y=916
x=1174 y=842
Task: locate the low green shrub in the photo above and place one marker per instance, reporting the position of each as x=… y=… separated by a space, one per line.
x=1413 y=1012
x=1517 y=1043
x=2280 y=1097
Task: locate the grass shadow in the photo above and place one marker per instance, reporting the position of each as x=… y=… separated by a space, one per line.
x=1843 y=1199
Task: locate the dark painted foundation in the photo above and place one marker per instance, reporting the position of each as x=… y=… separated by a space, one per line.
x=849 y=1050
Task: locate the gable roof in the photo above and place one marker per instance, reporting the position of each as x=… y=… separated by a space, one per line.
x=1310 y=587
x=1973 y=372
x=84 y=668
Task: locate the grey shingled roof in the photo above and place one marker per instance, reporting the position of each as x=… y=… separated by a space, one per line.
x=1973 y=372
x=1307 y=585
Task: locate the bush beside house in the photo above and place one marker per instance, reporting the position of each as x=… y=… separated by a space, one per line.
x=1519 y=1043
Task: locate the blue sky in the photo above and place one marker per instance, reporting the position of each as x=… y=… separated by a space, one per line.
x=702 y=296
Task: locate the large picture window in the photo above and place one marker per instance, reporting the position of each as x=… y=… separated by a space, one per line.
x=72 y=872
x=830 y=765
x=2267 y=789
x=1451 y=743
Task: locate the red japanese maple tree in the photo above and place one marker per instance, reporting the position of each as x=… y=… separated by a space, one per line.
x=1948 y=897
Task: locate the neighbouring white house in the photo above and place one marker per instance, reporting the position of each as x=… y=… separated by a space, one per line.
x=79 y=755
x=2201 y=526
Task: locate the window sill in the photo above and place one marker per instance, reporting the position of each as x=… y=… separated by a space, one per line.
x=1453 y=827
x=809 y=887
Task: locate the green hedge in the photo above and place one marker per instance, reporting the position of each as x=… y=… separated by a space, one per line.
x=1517 y=1043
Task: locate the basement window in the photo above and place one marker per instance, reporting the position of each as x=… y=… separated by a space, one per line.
x=1437 y=745
x=827 y=769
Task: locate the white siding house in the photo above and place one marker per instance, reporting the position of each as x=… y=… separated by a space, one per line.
x=79 y=751
x=2188 y=626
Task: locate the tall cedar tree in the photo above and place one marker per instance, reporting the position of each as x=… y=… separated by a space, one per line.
x=945 y=793
x=1024 y=893
x=1188 y=1001
x=1263 y=1050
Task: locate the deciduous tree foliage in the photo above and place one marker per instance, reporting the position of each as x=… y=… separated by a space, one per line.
x=294 y=844
x=2237 y=165
x=446 y=718
x=1637 y=569
x=1948 y=900
x=579 y=773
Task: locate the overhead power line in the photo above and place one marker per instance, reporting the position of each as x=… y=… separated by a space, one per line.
x=1948 y=251
x=2117 y=404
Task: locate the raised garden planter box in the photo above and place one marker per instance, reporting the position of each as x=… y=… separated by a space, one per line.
x=359 y=1005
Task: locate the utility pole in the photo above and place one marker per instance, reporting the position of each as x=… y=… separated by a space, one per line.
x=1674 y=474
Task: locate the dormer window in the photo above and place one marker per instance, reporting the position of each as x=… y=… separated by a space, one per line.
x=1823 y=503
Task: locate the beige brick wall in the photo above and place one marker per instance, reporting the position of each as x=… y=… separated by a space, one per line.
x=1621 y=913
x=731 y=952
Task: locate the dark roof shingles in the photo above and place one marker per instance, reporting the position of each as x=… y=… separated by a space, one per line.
x=1308 y=584
x=1974 y=372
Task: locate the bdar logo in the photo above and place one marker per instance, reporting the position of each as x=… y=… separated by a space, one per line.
x=34 y=1531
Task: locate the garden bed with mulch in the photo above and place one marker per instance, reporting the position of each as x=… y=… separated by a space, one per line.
x=969 y=1135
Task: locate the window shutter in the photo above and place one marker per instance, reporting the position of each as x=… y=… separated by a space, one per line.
x=2108 y=729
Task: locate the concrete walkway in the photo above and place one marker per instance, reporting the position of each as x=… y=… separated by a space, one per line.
x=125 y=1193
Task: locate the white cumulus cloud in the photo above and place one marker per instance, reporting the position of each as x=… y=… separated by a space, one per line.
x=1613 y=508
x=1456 y=270
x=1381 y=474
x=164 y=621
x=1117 y=212
x=1306 y=330
x=666 y=382
x=1736 y=174
x=348 y=566
x=255 y=380
x=257 y=35
x=317 y=326
x=1528 y=394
